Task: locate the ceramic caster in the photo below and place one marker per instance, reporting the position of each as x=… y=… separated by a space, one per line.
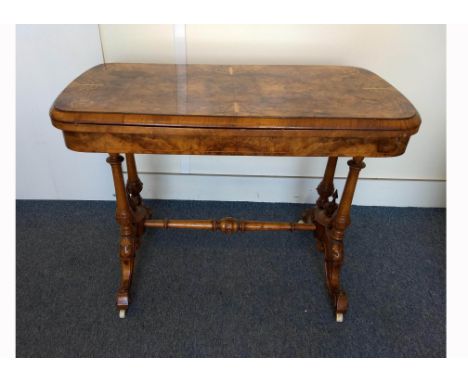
x=122 y=313
x=339 y=317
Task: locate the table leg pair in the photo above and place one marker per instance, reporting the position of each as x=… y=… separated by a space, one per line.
x=131 y=215
x=327 y=219
x=331 y=221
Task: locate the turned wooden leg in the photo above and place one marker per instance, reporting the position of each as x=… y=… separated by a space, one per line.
x=124 y=217
x=334 y=234
x=134 y=188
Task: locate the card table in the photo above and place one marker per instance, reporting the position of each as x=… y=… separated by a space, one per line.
x=269 y=110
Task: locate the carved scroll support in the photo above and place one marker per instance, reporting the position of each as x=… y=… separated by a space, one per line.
x=321 y=215
x=326 y=188
x=134 y=187
x=134 y=184
x=331 y=221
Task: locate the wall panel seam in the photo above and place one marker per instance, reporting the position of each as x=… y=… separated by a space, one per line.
x=102 y=46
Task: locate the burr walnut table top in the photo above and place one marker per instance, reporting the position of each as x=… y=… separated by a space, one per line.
x=235 y=110
x=118 y=102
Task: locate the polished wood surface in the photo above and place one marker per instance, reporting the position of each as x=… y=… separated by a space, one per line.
x=203 y=141
x=234 y=110
x=229 y=225
x=246 y=96
x=327 y=111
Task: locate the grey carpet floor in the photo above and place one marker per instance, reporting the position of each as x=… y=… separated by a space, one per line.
x=205 y=294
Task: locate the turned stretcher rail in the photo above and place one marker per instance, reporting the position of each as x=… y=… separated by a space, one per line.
x=229 y=225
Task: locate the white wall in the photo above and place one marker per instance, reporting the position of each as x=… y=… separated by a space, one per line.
x=411 y=57
x=48 y=57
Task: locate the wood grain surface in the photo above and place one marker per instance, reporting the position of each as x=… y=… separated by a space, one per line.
x=246 y=96
x=234 y=110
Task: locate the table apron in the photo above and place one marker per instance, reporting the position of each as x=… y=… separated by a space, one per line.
x=240 y=142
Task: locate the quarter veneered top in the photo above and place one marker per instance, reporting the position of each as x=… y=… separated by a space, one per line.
x=248 y=96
